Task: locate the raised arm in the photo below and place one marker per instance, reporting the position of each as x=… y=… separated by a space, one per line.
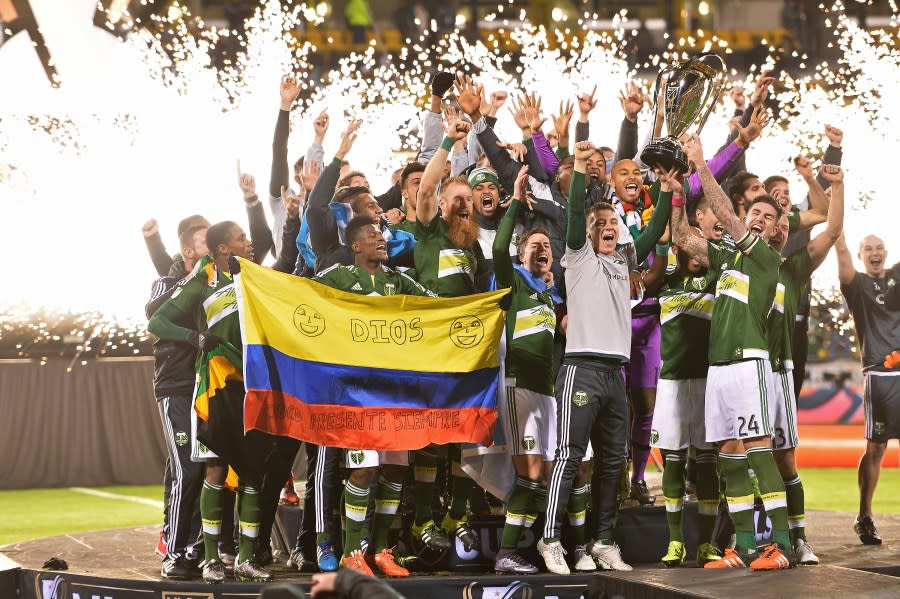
x=586 y=103
x=632 y=101
x=819 y=246
x=576 y=231
x=846 y=270
x=426 y=199
x=323 y=232
x=162 y=261
x=833 y=153
x=659 y=220
x=503 y=266
x=260 y=233
x=718 y=201
x=695 y=247
x=818 y=201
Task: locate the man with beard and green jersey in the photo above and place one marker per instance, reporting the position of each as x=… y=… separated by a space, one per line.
x=449 y=262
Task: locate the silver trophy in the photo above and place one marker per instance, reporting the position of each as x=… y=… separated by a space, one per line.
x=686 y=93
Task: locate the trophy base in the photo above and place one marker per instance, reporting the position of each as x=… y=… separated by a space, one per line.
x=667 y=154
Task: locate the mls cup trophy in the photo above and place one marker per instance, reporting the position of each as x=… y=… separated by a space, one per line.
x=686 y=93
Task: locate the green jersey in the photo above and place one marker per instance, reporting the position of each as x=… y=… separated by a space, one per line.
x=531 y=318
x=685 y=315
x=441 y=266
x=793 y=276
x=748 y=277
x=354 y=279
x=210 y=296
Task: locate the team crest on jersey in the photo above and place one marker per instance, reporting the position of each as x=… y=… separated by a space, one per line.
x=528 y=443
x=390 y=289
x=580 y=398
x=181 y=438
x=654 y=436
x=879 y=428
x=698 y=283
x=357 y=457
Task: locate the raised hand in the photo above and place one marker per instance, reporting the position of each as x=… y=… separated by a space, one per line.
x=632 y=101
x=289 y=90
x=586 y=103
x=520 y=188
x=246 y=182
x=670 y=180
x=532 y=108
x=761 y=90
x=832 y=173
x=835 y=136
x=347 y=139
x=320 y=126
x=455 y=127
x=803 y=166
x=561 y=121
x=150 y=228
x=394 y=216
x=310 y=174
x=758 y=121
x=291 y=202
x=583 y=151
x=468 y=94
x=517 y=110
x=737 y=96
x=498 y=98
x=694 y=150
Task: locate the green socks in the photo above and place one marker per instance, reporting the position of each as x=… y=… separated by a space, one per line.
x=461 y=486
x=739 y=495
x=771 y=488
x=211 y=499
x=576 y=511
x=387 y=502
x=356 y=504
x=518 y=511
x=707 y=483
x=673 y=491
x=425 y=477
x=248 y=516
x=795 y=508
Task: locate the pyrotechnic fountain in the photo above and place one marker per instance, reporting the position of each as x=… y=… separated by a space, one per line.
x=131 y=135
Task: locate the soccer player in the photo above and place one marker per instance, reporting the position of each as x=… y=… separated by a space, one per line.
x=794 y=275
x=370 y=276
x=737 y=386
x=878 y=331
x=530 y=421
x=449 y=261
x=590 y=391
x=208 y=297
x=686 y=306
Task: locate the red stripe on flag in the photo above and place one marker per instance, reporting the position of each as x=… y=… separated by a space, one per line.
x=352 y=427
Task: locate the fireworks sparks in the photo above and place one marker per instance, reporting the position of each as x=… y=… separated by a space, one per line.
x=151 y=127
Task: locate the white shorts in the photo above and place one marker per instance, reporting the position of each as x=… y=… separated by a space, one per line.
x=370 y=458
x=737 y=398
x=529 y=422
x=783 y=411
x=679 y=418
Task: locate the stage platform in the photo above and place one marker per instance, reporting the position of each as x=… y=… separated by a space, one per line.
x=120 y=564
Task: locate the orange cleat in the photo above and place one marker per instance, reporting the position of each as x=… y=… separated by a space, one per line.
x=771 y=558
x=161 y=548
x=357 y=561
x=288 y=495
x=385 y=562
x=730 y=559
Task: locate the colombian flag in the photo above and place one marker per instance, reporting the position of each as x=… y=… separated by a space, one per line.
x=346 y=370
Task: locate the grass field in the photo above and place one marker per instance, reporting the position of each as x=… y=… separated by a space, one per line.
x=35 y=513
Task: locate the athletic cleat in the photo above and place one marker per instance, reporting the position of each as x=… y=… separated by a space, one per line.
x=867 y=532
x=461 y=529
x=583 y=560
x=675 y=555
x=554 y=557
x=384 y=561
x=608 y=557
x=263 y=555
x=804 y=553
x=176 y=568
x=641 y=493
x=357 y=561
x=771 y=558
x=432 y=536
x=288 y=494
x=707 y=553
x=510 y=561
x=325 y=557
x=250 y=571
x=730 y=559
x=213 y=572
x=301 y=562
x=161 y=550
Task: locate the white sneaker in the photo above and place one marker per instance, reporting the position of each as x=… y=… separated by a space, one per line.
x=554 y=557
x=608 y=557
x=805 y=553
x=583 y=561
